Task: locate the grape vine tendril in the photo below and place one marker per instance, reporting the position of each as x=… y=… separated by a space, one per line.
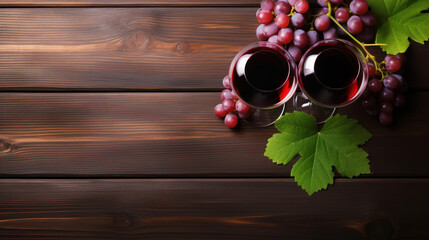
x=369 y=56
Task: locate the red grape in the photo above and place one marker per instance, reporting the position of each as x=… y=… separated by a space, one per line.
x=295 y=52
x=371 y=70
x=393 y=64
x=386 y=107
x=369 y=19
x=260 y=33
x=300 y=38
x=285 y=35
x=301 y=6
x=385 y=118
x=342 y=15
x=225 y=82
x=275 y=39
x=391 y=82
x=231 y=120
x=298 y=20
x=282 y=7
x=359 y=7
x=228 y=105
x=282 y=20
x=322 y=23
x=219 y=111
x=241 y=107
x=271 y=29
x=264 y=16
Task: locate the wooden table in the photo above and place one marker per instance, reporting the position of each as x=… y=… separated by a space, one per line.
x=107 y=131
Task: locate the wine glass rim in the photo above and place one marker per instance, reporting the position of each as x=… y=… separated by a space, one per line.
x=364 y=69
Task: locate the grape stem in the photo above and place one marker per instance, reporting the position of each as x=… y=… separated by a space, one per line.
x=369 y=56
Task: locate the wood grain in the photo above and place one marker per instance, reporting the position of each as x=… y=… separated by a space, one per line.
x=128 y=3
x=132 y=48
x=212 y=209
x=171 y=134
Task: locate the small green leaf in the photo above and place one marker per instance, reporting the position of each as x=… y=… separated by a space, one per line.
x=336 y=145
x=399 y=20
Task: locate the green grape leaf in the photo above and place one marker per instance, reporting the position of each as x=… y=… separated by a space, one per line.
x=399 y=20
x=336 y=145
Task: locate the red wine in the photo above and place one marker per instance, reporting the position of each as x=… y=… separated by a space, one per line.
x=260 y=76
x=330 y=74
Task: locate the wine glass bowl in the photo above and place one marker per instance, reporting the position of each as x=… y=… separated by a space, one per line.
x=333 y=73
x=263 y=75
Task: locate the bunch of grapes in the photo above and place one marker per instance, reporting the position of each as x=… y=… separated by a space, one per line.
x=382 y=95
x=291 y=23
x=231 y=107
x=352 y=15
x=295 y=26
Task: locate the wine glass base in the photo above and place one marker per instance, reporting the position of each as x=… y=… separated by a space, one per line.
x=303 y=104
x=264 y=117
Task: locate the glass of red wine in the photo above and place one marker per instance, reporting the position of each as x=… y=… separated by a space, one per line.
x=262 y=75
x=332 y=73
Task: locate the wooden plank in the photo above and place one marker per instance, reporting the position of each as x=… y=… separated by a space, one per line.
x=128 y=3
x=171 y=134
x=212 y=209
x=131 y=48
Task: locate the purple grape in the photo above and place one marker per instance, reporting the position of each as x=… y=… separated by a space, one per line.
x=225 y=82
x=330 y=33
x=369 y=19
x=267 y=5
x=369 y=102
x=354 y=25
x=285 y=35
x=295 y=52
x=342 y=15
x=393 y=64
x=401 y=57
x=387 y=95
x=300 y=38
x=359 y=7
x=386 y=107
x=391 y=82
x=367 y=34
x=271 y=29
x=322 y=3
x=282 y=7
x=322 y=23
x=225 y=94
x=336 y=1
x=371 y=70
x=298 y=20
x=399 y=101
x=340 y=31
x=313 y=36
x=260 y=33
x=385 y=119
x=374 y=85
x=292 y=2
x=322 y=11
x=275 y=39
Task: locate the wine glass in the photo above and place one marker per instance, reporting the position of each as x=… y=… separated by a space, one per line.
x=332 y=73
x=262 y=75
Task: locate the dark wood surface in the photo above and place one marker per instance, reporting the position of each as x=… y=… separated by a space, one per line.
x=107 y=132
x=212 y=209
x=174 y=134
